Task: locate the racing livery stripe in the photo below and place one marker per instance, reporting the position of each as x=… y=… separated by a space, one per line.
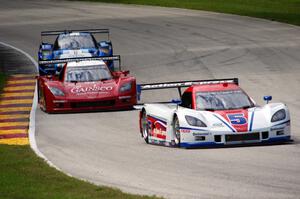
x=251 y=121
x=197 y=144
x=282 y=123
x=187 y=128
x=159 y=136
x=233 y=130
x=158 y=119
x=158 y=128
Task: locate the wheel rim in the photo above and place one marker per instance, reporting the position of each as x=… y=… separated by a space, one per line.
x=177 y=131
x=145 y=126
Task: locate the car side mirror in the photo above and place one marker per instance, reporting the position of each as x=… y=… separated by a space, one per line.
x=126 y=72
x=104 y=43
x=176 y=101
x=49 y=77
x=46 y=46
x=267 y=98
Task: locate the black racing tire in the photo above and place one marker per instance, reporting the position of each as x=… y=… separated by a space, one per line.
x=42 y=101
x=145 y=126
x=176 y=131
x=38 y=90
x=45 y=104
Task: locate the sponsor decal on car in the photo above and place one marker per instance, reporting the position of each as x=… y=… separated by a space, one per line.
x=94 y=88
x=218 y=125
x=197 y=134
x=185 y=130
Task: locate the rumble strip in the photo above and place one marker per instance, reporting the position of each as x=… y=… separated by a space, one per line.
x=15 y=106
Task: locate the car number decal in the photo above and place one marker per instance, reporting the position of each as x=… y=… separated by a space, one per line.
x=237 y=119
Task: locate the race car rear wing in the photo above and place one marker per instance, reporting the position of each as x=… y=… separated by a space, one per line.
x=181 y=84
x=77 y=59
x=58 y=32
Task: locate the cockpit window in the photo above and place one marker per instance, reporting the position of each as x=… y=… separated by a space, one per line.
x=74 y=41
x=222 y=100
x=88 y=73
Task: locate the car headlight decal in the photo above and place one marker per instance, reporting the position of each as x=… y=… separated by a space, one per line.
x=279 y=115
x=193 y=121
x=56 y=91
x=126 y=87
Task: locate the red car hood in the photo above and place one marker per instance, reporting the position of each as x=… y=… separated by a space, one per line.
x=90 y=90
x=237 y=118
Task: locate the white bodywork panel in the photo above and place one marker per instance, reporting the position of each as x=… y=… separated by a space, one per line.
x=259 y=121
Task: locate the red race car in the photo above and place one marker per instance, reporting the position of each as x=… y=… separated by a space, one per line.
x=86 y=84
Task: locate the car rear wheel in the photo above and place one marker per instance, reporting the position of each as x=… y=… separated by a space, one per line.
x=176 y=131
x=145 y=127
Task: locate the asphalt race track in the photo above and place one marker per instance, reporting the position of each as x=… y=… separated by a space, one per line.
x=160 y=44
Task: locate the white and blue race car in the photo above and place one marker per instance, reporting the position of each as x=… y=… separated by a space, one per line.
x=72 y=44
x=212 y=113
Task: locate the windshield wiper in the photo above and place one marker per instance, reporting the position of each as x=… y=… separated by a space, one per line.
x=245 y=107
x=104 y=79
x=74 y=81
x=209 y=109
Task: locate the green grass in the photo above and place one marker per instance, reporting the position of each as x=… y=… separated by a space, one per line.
x=23 y=175
x=287 y=11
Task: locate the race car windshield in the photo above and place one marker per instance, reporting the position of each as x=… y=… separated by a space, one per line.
x=88 y=74
x=76 y=41
x=222 y=100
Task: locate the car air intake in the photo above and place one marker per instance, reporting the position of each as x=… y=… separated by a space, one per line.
x=242 y=137
x=218 y=138
x=93 y=104
x=265 y=134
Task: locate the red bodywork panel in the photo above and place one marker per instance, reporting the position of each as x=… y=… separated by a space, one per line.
x=86 y=96
x=158 y=128
x=229 y=115
x=243 y=114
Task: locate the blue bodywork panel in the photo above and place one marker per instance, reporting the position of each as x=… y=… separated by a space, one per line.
x=72 y=45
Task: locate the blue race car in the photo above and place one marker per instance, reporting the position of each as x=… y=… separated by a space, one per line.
x=72 y=44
